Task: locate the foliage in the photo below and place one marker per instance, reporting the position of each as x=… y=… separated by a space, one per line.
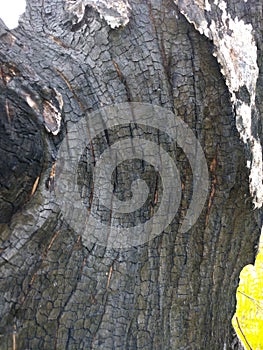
x=248 y=319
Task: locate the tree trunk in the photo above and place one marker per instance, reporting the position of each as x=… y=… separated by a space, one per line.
x=175 y=290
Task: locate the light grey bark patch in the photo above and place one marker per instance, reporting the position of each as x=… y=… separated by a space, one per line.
x=52 y=113
x=115 y=13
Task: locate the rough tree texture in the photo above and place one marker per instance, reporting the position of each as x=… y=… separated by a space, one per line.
x=175 y=292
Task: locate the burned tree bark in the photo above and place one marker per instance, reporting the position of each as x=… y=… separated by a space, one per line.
x=176 y=291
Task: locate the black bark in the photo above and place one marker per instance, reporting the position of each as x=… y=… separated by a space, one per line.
x=176 y=291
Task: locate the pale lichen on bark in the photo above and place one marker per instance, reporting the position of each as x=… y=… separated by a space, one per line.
x=236 y=51
x=115 y=13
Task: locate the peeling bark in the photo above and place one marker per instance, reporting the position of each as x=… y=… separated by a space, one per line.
x=116 y=13
x=176 y=291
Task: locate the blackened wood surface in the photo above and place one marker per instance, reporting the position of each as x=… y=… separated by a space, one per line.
x=175 y=292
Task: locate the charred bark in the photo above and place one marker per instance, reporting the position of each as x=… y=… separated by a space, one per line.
x=176 y=291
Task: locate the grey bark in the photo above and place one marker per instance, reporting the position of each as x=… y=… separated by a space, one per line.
x=174 y=292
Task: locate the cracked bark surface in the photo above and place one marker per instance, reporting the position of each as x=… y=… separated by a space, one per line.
x=174 y=292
